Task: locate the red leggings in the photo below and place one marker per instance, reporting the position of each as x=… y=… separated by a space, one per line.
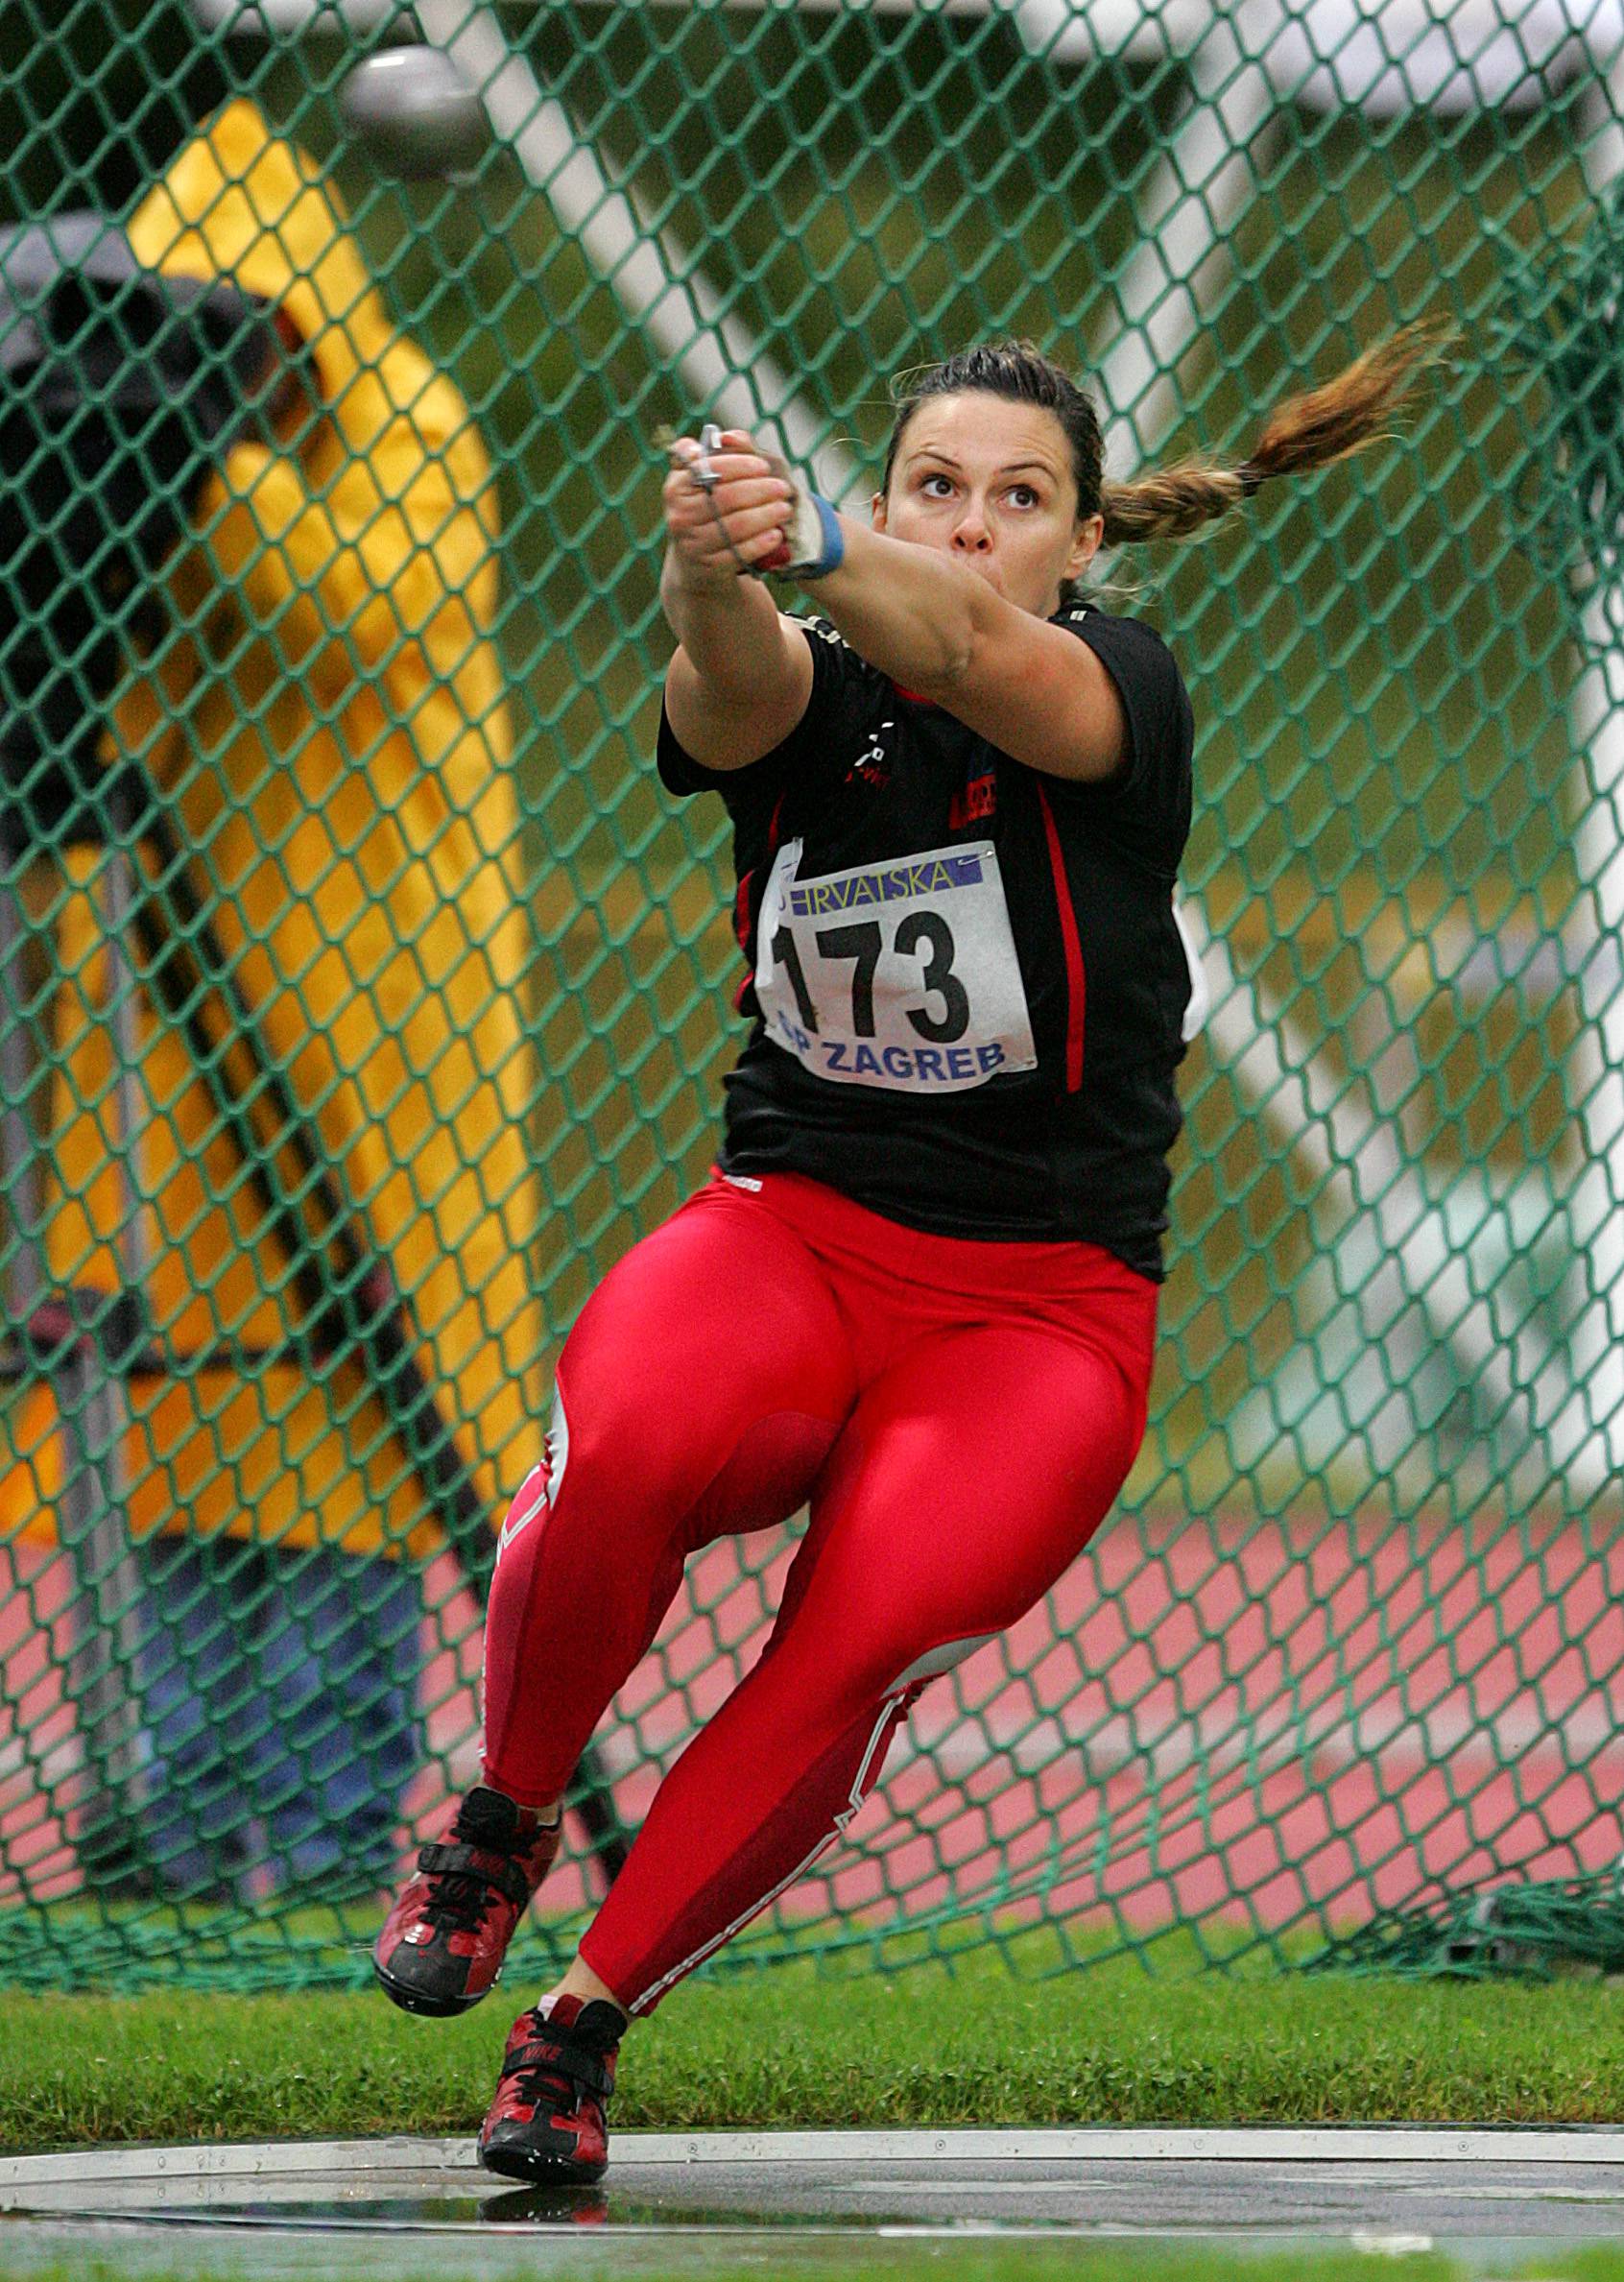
x=959 y=1416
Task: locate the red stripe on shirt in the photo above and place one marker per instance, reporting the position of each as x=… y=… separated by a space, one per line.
x=1071 y=944
x=741 y=906
x=741 y=929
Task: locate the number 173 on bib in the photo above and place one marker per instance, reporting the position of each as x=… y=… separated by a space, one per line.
x=901 y=976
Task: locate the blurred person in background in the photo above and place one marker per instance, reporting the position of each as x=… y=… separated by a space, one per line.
x=323 y=722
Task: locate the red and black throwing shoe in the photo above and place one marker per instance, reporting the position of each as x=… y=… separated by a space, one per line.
x=443 y=1944
x=547 y=2119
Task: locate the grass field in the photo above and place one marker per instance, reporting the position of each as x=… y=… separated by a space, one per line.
x=790 y=2049
x=957 y=2262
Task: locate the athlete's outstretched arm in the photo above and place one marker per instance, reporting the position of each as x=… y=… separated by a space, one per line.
x=742 y=675
x=935 y=626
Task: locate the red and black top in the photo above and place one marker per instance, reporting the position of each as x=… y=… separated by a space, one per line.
x=966 y=976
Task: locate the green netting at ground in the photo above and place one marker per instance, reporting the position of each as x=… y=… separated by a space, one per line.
x=363 y=998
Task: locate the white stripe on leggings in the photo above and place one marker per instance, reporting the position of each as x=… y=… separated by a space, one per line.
x=855 y=1800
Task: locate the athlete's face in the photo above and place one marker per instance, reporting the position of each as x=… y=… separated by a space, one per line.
x=991 y=484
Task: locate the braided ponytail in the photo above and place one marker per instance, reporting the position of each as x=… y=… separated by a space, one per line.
x=1313 y=430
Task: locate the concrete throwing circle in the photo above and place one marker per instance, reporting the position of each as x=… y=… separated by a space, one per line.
x=1384 y=2188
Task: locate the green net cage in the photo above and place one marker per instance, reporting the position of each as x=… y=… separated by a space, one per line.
x=363 y=998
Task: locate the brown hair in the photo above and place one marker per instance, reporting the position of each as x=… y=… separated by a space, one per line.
x=1305 y=432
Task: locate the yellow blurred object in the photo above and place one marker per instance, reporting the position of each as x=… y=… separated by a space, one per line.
x=329 y=733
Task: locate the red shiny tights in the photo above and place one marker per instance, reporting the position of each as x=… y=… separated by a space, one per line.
x=959 y=1416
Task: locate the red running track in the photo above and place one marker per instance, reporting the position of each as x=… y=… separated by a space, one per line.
x=1249 y=1724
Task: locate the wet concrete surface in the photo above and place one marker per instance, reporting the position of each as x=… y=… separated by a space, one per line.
x=1097 y=2196
x=760 y=2197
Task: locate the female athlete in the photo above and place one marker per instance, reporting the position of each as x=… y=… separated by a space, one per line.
x=918 y=1291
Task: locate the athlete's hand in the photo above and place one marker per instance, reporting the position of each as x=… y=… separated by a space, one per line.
x=728 y=510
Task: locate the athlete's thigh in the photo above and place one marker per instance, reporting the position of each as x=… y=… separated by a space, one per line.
x=968 y=1478
x=713 y=1350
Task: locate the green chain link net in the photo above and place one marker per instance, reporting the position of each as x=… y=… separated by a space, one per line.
x=362 y=999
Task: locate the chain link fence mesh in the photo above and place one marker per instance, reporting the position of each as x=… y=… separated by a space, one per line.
x=364 y=998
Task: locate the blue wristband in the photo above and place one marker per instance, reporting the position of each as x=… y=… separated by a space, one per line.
x=831 y=547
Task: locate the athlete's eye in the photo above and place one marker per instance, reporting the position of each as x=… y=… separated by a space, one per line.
x=1023 y=495
x=937 y=487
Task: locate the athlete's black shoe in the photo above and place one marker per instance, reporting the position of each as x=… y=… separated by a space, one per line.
x=547 y=2119
x=443 y=1944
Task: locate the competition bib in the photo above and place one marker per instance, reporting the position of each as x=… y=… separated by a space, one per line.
x=902 y=974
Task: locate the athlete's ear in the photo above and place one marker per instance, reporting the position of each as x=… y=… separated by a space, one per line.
x=877 y=511
x=1085 y=545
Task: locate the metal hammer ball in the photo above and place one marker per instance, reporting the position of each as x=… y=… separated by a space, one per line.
x=415 y=112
